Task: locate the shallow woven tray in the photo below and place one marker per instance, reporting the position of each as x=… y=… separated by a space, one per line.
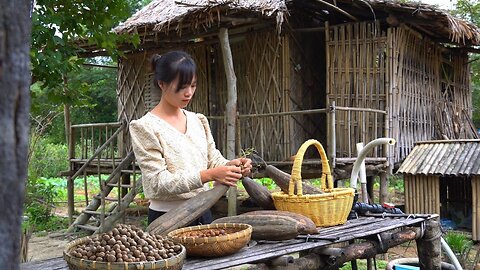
x=74 y=263
x=238 y=235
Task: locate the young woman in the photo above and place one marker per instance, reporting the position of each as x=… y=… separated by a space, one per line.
x=174 y=147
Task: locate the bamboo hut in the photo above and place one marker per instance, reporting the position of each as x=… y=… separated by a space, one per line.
x=274 y=73
x=443 y=177
x=383 y=68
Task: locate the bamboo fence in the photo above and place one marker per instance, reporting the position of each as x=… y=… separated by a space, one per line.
x=422 y=194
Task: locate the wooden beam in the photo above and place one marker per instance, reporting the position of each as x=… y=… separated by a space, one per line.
x=334 y=257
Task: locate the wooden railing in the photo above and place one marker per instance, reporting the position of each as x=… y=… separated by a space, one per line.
x=345 y=128
x=92 y=149
x=89 y=140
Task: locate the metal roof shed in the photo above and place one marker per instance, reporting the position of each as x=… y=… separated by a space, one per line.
x=443 y=175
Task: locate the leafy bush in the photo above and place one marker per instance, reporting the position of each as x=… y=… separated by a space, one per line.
x=46 y=159
x=40 y=195
x=460 y=244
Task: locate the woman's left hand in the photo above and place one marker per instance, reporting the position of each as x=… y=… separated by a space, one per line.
x=244 y=163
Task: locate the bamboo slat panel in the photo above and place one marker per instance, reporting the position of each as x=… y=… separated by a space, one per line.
x=429 y=88
x=475 y=208
x=131 y=87
x=356 y=77
x=422 y=194
x=262 y=68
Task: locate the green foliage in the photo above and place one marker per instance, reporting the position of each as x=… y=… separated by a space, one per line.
x=40 y=195
x=470 y=11
x=46 y=159
x=458 y=242
x=54 y=223
x=59 y=25
x=268 y=182
x=396 y=183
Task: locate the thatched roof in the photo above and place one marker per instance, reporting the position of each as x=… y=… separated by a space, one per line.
x=159 y=15
x=197 y=15
x=430 y=19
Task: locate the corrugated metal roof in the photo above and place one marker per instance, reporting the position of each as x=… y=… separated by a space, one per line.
x=446 y=157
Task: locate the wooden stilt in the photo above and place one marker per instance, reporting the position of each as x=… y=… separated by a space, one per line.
x=429 y=246
x=383 y=188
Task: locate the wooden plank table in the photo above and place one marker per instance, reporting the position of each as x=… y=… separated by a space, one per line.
x=256 y=251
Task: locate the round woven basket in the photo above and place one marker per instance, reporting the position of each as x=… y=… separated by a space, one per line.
x=238 y=235
x=326 y=209
x=74 y=263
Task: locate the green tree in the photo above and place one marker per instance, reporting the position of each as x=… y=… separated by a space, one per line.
x=470 y=11
x=58 y=74
x=59 y=27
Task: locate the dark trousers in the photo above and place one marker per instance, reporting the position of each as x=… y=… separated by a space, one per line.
x=205 y=218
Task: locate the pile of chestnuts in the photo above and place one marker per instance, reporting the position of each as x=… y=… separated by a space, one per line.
x=126 y=243
x=204 y=233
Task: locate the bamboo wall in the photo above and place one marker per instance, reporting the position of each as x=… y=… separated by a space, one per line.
x=429 y=91
x=357 y=77
x=475 y=208
x=262 y=69
x=423 y=87
x=422 y=194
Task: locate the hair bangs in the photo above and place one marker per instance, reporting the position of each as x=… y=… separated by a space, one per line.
x=186 y=71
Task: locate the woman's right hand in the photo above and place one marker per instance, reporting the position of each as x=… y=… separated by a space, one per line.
x=227 y=175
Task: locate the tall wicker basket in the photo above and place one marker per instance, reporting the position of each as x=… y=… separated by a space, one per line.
x=326 y=209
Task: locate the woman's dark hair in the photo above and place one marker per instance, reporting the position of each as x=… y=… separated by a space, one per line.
x=168 y=66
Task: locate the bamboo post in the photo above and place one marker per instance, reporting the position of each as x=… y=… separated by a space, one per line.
x=331 y=140
x=231 y=109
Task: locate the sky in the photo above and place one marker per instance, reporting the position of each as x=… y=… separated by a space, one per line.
x=444 y=4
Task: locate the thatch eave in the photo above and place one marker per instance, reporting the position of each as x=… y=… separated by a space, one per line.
x=167 y=15
x=177 y=19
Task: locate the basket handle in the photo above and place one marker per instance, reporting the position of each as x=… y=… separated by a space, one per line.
x=296 y=178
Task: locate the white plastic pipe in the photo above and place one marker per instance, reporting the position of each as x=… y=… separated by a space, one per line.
x=363 y=154
x=363 y=175
x=450 y=254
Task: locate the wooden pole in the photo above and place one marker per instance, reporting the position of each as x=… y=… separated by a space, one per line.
x=429 y=246
x=383 y=187
x=68 y=130
x=231 y=108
